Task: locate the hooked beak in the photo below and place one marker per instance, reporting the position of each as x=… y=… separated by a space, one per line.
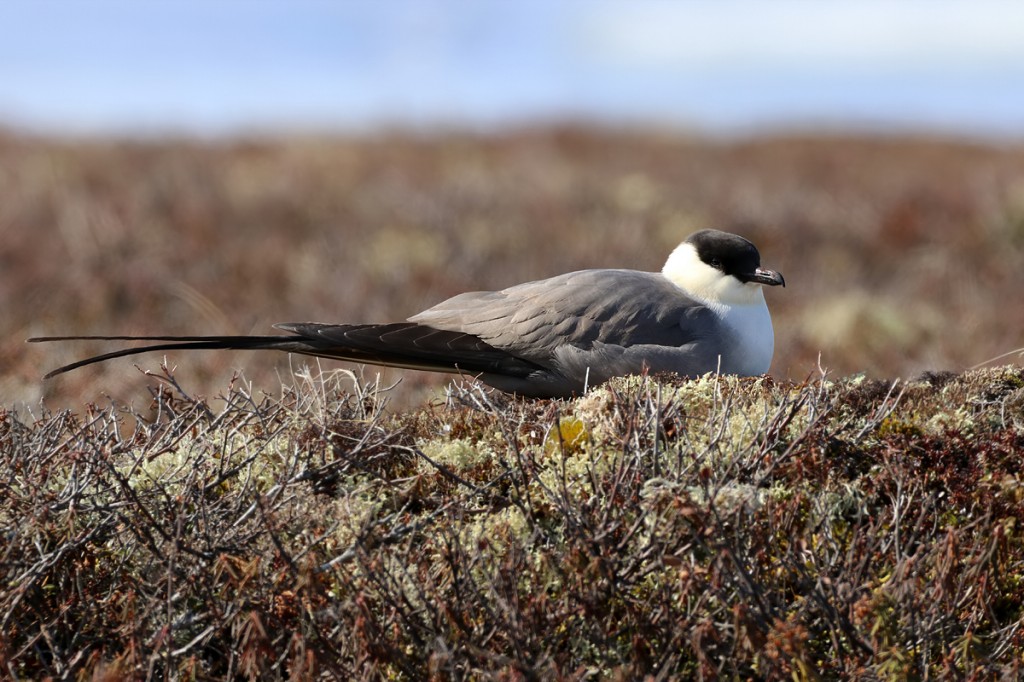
x=763 y=276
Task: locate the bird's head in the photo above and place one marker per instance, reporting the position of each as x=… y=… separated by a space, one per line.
x=721 y=268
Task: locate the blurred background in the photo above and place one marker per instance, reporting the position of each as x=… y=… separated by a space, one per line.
x=214 y=167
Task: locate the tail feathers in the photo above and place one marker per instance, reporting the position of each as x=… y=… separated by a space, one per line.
x=407 y=345
x=168 y=343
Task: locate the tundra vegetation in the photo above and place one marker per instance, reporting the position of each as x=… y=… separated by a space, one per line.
x=852 y=516
x=719 y=527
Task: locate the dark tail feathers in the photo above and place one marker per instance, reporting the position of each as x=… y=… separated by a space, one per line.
x=167 y=343
x=404 y=344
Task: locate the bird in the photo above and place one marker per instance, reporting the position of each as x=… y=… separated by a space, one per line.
x=704 y=312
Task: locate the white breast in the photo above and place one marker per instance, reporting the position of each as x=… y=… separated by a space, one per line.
x=756 y=338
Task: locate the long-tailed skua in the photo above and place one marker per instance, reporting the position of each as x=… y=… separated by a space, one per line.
x=704 y=312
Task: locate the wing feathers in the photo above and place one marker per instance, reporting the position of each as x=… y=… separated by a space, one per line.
x=616 y=307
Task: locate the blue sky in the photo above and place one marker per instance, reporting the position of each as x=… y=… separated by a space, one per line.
x=211 y=67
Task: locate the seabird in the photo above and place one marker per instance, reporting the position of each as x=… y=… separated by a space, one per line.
x=704 y=312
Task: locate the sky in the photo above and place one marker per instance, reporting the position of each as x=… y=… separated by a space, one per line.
x=228 y=66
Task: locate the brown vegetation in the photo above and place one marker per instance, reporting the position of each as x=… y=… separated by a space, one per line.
x=901 y=255
x=718 y=528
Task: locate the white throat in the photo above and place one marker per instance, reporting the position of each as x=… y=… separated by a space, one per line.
x=741 y=306
x=686 y=270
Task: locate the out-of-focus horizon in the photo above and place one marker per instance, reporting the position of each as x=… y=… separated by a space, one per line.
x=118 y=66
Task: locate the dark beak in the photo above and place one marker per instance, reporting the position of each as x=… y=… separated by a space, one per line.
x=762 y=276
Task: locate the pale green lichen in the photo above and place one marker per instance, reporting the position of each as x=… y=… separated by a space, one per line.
x=960 y=419
x=497 y=531
x=199 y=460
x=353 y=514
x=459 y=454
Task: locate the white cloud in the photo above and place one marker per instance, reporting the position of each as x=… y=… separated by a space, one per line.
x=846 y=34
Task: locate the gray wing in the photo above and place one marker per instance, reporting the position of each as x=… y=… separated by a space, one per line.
x=594 y=317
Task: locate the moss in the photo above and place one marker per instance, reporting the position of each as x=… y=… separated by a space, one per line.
x=891 y=426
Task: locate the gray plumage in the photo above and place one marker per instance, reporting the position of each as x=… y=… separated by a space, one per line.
x=586 y=327
x=555 y=337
